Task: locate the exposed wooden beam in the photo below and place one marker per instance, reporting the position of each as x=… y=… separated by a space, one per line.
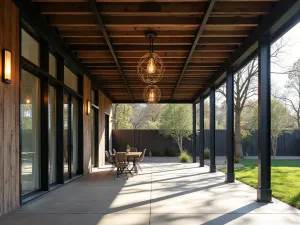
x=157 y=48
x=156 y=9
x=140 y=34
x=93 y=5
x=130 y=21
x=195 y=43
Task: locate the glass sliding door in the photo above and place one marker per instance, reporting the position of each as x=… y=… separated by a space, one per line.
x=52 y=135
x=67 y=137
x=74 y=135
x=30 y=133
x=92 y=124
x=70 y=136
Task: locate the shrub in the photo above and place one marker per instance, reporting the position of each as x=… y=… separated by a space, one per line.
x=184 y=157
x=171 y=152
x=236 y=160
x=206 y=153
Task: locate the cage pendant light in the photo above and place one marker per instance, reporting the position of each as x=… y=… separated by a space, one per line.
x=150 y=68
x=152 y=94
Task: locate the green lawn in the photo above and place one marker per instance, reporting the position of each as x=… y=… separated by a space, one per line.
x=285 y=179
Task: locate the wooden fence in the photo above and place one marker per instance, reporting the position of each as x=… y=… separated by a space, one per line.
x=288 y=143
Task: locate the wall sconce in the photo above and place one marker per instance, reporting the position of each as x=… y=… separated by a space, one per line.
x=6 y=63
x=88 y=107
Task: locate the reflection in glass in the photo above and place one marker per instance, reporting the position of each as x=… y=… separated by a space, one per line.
x=70 y=79
x=52 y=135
x=66 y=137
x=30 y=48
x=52 y=65
x=74 y=119
x=30 y=132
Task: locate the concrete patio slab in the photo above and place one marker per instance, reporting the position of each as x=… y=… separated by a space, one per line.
x=163 y=193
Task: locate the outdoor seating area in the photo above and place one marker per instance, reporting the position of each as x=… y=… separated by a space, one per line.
x=125 y=162
x=118 y=111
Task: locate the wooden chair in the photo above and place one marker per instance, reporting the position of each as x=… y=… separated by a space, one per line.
x=110 y=160
x=122 y=164
x=140 y=159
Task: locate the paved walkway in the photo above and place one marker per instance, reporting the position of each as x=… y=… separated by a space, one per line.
x=164 y=193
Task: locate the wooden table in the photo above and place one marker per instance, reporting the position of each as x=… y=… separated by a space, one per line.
x=132 y=155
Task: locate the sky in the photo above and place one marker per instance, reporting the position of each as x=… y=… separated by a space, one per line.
x=291 y=54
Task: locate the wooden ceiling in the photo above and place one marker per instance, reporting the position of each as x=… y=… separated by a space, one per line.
x=194 y=38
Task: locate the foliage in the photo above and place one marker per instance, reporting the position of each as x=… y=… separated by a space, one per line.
x=127 y=146
x=176 y=122
x=122 y=114
x=206 y=153
x=280 y=121
x=184 y=157
x=171 y=152
x=285 y=180
x=237 y=160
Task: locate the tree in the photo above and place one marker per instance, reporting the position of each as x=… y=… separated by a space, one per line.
x=280 y=121
x=176 y=122
x=292 y=96
x=245 y=88
x=140 y=116
x=122 y=115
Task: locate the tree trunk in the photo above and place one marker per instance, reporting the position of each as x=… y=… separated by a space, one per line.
x=237 y=125
x=179 y=143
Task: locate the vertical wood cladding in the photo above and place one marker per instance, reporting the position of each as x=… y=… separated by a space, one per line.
x=9 y=110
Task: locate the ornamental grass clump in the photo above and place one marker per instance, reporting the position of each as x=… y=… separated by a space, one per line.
x=184 y=157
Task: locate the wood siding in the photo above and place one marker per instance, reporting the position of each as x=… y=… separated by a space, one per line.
x=9 y=111
x=105 y=107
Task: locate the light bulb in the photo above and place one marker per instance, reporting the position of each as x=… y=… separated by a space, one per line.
x=151 y=68
x=151 y=96
x=27 y=100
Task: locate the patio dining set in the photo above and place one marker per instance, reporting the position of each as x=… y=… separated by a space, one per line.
x=125 y=162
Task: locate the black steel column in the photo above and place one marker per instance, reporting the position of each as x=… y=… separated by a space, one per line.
x=194 y=133
x=201 y=133
x=264 y=192
x=229 y=126
x=212 y=130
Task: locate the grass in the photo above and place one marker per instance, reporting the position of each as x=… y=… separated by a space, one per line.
x=285 y=182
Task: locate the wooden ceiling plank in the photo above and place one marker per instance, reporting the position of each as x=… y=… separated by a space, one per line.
x=93 y=5
x=197 y=38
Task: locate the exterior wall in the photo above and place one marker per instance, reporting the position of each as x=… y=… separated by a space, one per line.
x=86 y=127
x=9 y=111
x=105 y=107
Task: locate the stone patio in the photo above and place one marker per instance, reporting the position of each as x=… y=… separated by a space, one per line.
x=164 y=193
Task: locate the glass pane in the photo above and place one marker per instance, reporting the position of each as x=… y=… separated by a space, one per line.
x=66 y=137
x=93 y=98
x=30 y=132
x=70 y=79
x=52 y=65
x=30 y=48
x=52 y=135
x=92 y=123
x=74 y=119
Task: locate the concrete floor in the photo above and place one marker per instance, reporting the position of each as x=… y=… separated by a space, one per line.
x=164 y=193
